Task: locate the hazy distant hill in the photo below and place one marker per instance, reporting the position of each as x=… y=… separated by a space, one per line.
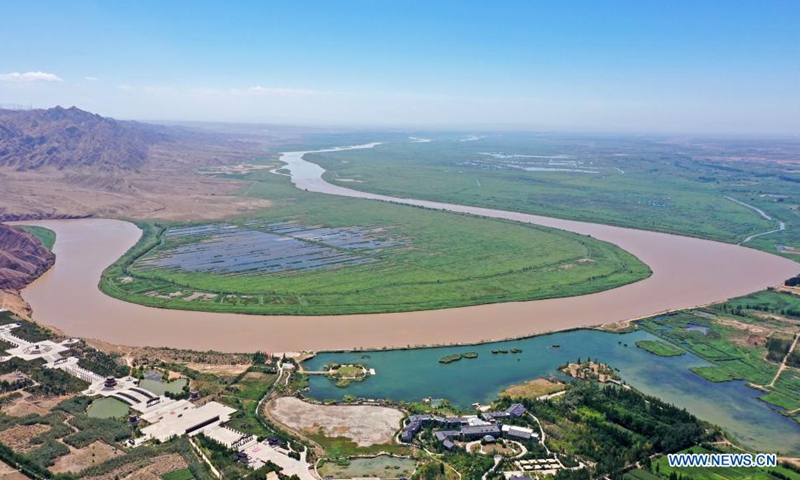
x=65 y=138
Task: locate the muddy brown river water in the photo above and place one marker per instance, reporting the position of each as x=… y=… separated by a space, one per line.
x=687 y=272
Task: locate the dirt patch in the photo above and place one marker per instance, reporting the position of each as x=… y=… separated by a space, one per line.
x=365 y=425
x=83 y=458
x=533 y=389
x=254 y=376
x=7 y=472
x=220 y=370
x=27 y=405
x=18 y=437
x=148 y=469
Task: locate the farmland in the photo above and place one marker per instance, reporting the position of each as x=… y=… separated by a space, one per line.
x=314 y=254
x=684 y=186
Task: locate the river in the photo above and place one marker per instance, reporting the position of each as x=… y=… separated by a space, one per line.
x=687 y=272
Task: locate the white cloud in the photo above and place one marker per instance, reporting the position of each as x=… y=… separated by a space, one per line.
x=28 y=77
x=91 y=79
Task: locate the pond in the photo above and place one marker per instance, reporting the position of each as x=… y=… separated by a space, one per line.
x=160 y=387
x=412 y=375
x=382 y=466
x=108 y=408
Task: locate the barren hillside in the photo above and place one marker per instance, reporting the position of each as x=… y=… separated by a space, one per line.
x=22 y=258
x=65 y=162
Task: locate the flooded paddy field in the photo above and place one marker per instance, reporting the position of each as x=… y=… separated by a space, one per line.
x=268 y=248
x=412 y=375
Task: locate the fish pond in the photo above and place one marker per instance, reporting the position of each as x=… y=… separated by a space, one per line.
x=412 y=375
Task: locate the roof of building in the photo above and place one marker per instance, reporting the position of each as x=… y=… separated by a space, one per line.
x=448 y=444
x=176 y=424
x=420 y=418
x=480 y=430
x=494 y=415
x=520 y=432
x=443 y=435
x=516 y=410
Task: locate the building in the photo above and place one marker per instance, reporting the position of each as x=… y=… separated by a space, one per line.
x=518 y=433
x=516 y=410
x=407 y=435
x=494 y=416
x=480 y=431
x=423 y=420
x=448 y=444
x=443 y=435
x=187 y=421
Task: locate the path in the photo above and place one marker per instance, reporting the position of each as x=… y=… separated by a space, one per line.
x=782 y=366
x=781 y=225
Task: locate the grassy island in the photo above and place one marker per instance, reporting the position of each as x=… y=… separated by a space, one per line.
x=457 y=356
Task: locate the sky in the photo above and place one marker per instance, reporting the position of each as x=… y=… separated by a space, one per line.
x=729 y=66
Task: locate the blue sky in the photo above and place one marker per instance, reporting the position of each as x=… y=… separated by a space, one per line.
x=664 y=66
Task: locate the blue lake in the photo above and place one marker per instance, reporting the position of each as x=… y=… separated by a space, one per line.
x=412 y=375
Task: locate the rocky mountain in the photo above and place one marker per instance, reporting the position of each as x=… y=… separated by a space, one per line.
x=67 y=138
x=22 y=258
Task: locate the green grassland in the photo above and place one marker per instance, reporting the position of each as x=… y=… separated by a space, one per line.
x=735 y=352
x=45 y=235
x=646 y=183
x=660 y=348
x=445 y=260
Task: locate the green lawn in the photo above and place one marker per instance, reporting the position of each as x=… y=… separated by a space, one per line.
x=45 y=235
x=441 y=260
x=660 y=348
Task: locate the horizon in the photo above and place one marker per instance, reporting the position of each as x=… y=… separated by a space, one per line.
x=719 y=68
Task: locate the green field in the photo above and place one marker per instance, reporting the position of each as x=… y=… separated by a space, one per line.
x=653 y=183
x=660 y=348
x=45 y=235
x=440 y=260
x=184 y=474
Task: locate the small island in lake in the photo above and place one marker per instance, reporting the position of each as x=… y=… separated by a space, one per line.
x=457 y=356
x=344 y=375
x=589 y=370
